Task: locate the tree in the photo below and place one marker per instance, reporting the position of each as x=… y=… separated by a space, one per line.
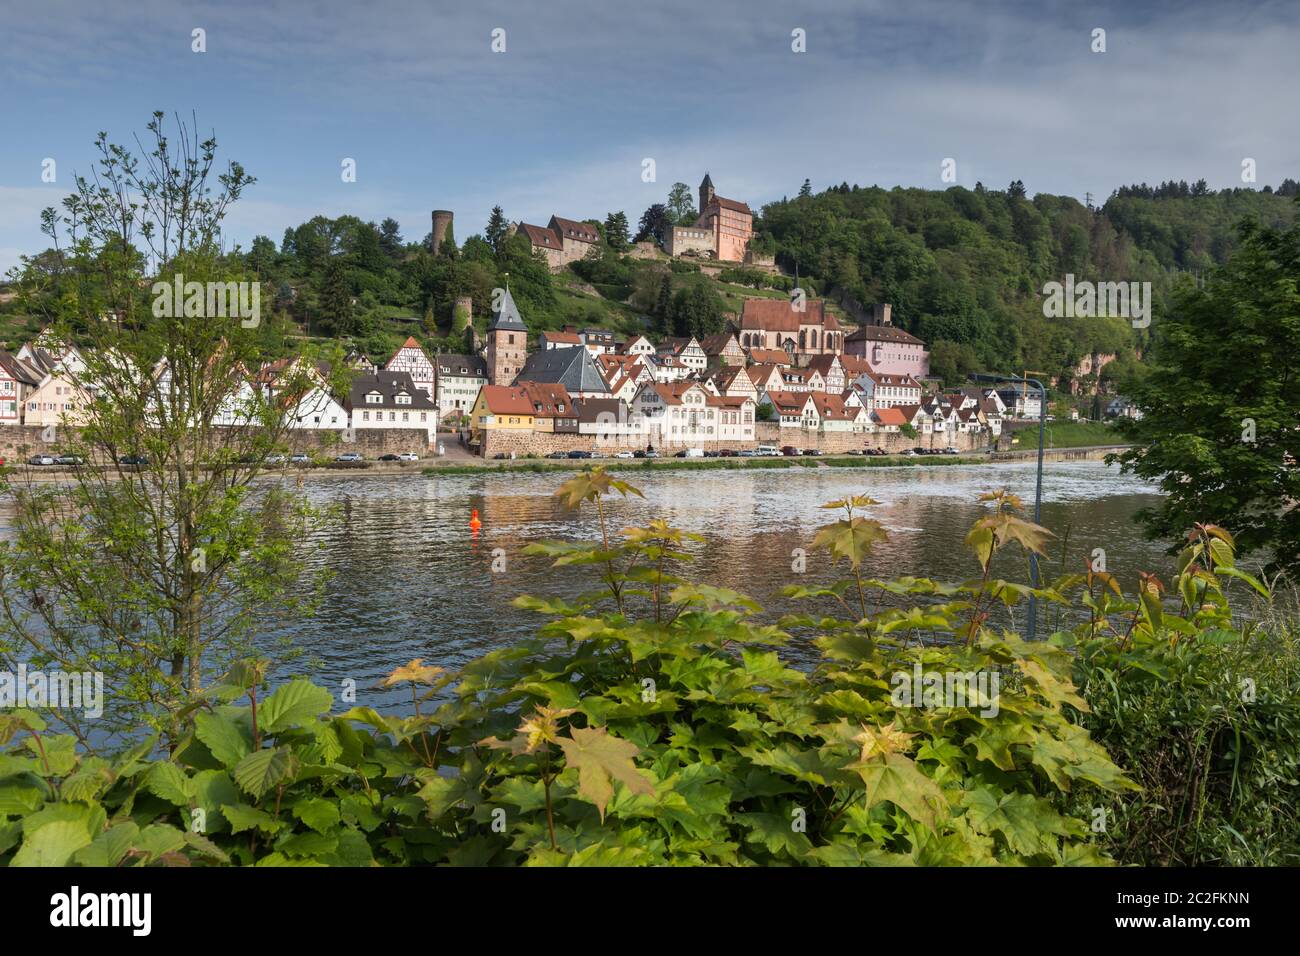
x=155 y=574
x=805 y=191
x=497 y=229
x=1220 y=425
x=696 y=310
x=390 y=239
x=1016 y=190
x=334 y=299
x=655 y=224
x=681 y=204
x=616 y=231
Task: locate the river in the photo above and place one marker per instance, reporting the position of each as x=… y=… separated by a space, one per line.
x=411 y=580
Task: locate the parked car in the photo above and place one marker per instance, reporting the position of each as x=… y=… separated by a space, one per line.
x=558 y=454
x=810 y=452
x=41 y=460
x=349 y=457
x=300 y=458
x=748 y=453
x=579 y=453
x=790 y=451
x=275 y=459
x=766 y=450
x=727 y=453
x=69 y=460
x=389 y=457
x=950 y=450
x=408 y=456
x=500 y=456
x=625 y=454
x=680 y=454
x=133 y=460
x=651 y=453
x=638 y=453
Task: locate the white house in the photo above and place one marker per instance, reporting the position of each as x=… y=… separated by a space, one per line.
x=410 y=358
x=391 y=400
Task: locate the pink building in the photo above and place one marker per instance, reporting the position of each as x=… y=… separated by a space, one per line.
x=889 y=350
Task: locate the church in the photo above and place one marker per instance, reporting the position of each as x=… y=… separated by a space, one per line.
x=777 y=324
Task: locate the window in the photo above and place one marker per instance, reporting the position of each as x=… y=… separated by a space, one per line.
x=365 y=416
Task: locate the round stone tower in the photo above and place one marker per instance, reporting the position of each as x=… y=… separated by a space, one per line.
x=462 y=314
x=441 y=223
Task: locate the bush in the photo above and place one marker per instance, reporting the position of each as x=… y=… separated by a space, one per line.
x=1204 y=715
x=652 y=722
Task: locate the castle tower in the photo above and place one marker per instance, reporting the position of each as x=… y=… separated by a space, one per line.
x=507 y=347
x=462 y=314
x=706 y=193
x=441 y=223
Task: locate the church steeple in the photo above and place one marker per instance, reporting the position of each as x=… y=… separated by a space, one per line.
x=706 y=193
x=507 y=346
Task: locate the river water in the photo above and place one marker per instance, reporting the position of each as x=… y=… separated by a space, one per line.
x=412 y=580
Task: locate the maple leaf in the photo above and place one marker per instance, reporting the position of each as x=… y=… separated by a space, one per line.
x=852 y=538
x=543 y=727
x=417 y=672
x=591 y=484
x=898 y=780
x=601 y=759
x=885 y=741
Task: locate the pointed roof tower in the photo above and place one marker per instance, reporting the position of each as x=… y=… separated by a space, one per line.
x=507 y=317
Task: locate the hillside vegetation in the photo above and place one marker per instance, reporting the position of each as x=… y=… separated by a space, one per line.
x=962 y=268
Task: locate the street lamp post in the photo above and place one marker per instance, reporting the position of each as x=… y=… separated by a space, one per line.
x=1032 y=631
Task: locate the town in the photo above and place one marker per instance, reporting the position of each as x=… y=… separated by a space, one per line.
x=784 y=376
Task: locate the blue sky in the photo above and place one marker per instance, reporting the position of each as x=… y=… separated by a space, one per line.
x=561 y=121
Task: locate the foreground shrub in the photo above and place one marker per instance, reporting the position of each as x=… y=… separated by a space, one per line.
x=650 y=722
x=1204 y=714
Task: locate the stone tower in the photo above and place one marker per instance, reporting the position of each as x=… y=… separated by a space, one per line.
x=441 y=223
x=507 y=346
x=706 y=193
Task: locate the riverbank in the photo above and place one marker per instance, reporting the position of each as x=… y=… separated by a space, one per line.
x=534 y=466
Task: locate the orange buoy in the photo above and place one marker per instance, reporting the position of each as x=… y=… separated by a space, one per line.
x=474 y=523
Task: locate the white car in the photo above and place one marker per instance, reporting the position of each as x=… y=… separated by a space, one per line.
x=350 y=456
x=41 y=460
x=408 y=456
x=625 y=454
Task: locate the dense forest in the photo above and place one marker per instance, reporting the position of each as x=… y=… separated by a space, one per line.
x=963 y=269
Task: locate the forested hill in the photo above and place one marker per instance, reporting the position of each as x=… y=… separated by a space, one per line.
x=964 y=268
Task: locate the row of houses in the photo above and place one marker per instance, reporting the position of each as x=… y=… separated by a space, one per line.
x=48 y=383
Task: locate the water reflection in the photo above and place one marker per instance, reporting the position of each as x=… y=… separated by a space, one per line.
x=411 y=580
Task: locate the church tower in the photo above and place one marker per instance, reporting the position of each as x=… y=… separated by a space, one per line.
x=706 y=193
x=507 y=347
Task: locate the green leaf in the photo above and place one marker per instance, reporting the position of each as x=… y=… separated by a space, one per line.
x=225 y=738
x=317 y=813
x=52 y=844
x=295 y=703
x=168 y=781
x=243 y=817
x=896 y=778
x=263 y=769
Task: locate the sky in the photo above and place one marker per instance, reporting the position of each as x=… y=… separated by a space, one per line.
x=562 y=120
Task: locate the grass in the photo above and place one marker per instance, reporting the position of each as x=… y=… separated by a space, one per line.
x=1067 y=435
